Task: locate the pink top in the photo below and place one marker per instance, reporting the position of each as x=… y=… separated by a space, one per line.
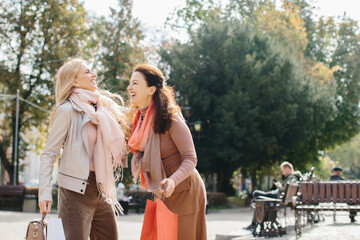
x=177 y=147
x=92 y=132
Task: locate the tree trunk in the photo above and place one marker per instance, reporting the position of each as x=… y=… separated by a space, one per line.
x=243 y=179
x=253 y=179
x=9 y=168
x=220 y=179
x=224 y=180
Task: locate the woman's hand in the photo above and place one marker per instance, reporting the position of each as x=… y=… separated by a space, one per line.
x=168 y=185
x=45 y=206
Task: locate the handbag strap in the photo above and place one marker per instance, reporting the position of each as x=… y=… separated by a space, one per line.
x=44 y=223
x=43 y=217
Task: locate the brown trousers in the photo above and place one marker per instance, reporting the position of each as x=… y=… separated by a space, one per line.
x=87 y=215
x=189 y=202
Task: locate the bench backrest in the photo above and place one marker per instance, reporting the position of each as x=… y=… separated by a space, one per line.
x=290 y=191
x=330 y=191
x=10 y=190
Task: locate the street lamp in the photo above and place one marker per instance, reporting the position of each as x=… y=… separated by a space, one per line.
x=192 y=125
x=187 y=110
x=197 y=125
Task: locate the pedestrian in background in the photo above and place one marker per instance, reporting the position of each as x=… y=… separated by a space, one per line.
x=90 y=127
x=336 y=176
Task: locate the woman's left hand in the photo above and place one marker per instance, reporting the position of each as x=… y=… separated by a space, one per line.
x=168 y=186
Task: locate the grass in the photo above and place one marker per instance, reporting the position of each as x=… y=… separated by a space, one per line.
x=233 y=202
x=237 y=202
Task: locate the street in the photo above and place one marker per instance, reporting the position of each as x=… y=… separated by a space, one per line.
x=221 y=225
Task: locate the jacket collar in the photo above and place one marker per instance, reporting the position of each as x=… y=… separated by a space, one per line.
x=76 y=107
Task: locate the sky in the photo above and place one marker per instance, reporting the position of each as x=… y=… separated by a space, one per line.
x=153 y=13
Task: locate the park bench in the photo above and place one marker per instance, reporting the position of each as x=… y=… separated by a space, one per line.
x=11 y=197
x=333 y=196
x=266 y=212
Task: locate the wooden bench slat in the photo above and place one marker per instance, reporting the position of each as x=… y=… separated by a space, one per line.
x=309 y=193
x=322 y=192
x=328 y=192
x=316 y=193
x=347 y=193
x=335 y=193
x=304 y=192
x=354 y=193
x=341 y=192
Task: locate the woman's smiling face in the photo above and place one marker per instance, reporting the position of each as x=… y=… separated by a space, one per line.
x=140 y=93
x=86 y=79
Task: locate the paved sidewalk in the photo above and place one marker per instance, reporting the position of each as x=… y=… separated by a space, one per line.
x=221 y=225
x=13 y=224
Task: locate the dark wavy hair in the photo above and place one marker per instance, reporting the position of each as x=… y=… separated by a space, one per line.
x=164 y=97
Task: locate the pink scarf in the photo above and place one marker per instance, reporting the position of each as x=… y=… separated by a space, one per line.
x=110 y=147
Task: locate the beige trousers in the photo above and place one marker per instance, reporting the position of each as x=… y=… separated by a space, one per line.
x=87 y=215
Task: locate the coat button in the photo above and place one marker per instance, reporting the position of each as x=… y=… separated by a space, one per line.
x=83 y=183
x=81 y=190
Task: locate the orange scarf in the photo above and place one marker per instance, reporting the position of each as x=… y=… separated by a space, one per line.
x=140 y=134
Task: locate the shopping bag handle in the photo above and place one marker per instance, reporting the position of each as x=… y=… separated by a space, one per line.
x=163 y=197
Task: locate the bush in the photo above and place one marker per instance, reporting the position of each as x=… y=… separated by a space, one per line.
x=31 y=190
x=139 y=195
x=216 y=198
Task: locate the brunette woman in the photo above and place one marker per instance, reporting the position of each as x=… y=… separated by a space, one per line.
x=90 y=128
x=164 y=153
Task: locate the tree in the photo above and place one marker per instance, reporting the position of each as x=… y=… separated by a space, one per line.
x=348 y=157
x=347 y=57
x=256 y=104
x=326 y=54
x=36 y=37
x=119 y=48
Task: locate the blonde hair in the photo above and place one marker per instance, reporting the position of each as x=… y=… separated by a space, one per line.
x=64 y=87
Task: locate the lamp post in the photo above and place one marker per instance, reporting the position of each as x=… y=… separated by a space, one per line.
x=197 y=124
x=16 y=137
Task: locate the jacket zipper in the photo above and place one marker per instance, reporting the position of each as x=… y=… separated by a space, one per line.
x=74 y=177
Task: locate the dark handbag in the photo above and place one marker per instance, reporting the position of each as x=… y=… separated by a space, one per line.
x=36 y=229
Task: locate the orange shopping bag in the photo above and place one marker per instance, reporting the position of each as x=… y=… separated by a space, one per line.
x=159 y=222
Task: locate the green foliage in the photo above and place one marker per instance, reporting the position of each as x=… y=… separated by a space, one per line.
x=347 y=156
x=36 y=37
x=119 y=49
x=347 y=57
x=323 y=168
x=256 y=105
x=262 y=99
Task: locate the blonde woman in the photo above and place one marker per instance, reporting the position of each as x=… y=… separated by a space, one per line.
x=90 y=128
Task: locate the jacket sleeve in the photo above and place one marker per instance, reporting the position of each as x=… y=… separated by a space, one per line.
x=282 y=187
x=56 y=138
x=181 y=136
x=287 y=180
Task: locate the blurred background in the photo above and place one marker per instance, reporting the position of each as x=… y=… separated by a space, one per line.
x=260 y=82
